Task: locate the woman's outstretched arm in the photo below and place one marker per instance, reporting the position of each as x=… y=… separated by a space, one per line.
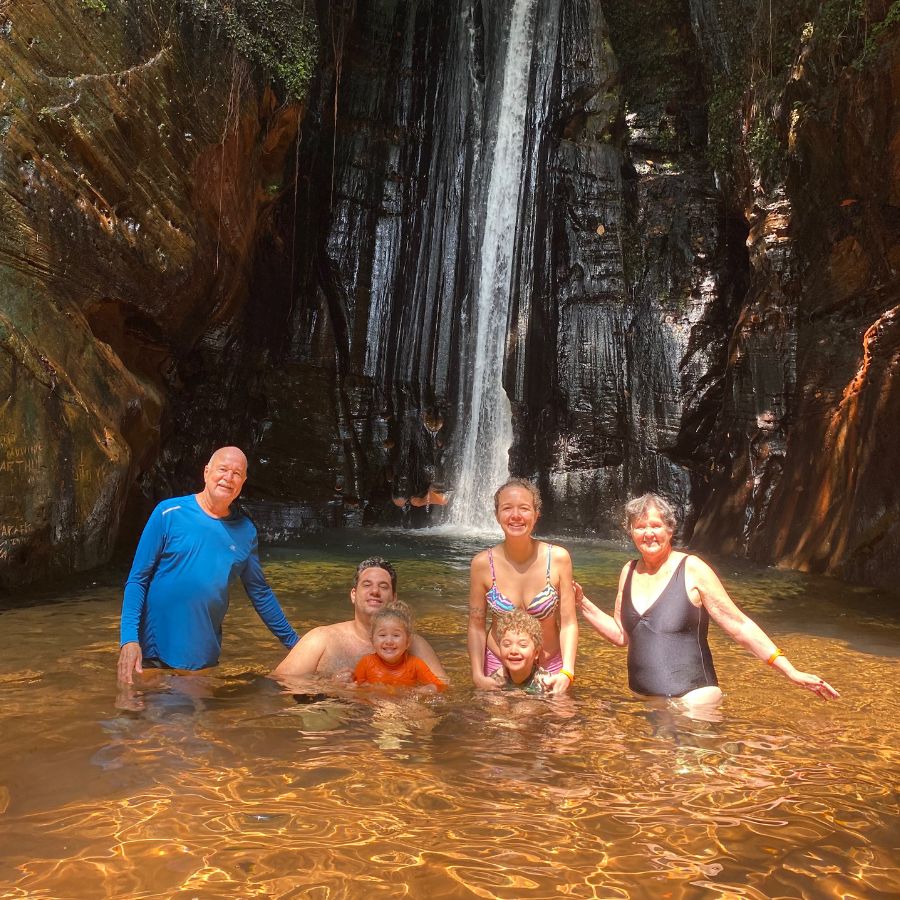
x=609 y=627
x=700 y=578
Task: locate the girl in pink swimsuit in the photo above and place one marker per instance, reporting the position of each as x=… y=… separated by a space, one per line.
x=536 y=578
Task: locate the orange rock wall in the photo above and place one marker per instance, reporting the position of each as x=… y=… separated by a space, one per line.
x=806 y=473
x=135 y=176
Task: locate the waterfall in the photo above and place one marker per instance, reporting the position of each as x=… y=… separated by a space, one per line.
x=485 y=411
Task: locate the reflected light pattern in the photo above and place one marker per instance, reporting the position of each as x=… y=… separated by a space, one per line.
x=227 y=785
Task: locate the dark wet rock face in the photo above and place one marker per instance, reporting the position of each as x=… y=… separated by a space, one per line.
x=702 y=272
x=620 y=288
x=367 y=255
x=639 y=289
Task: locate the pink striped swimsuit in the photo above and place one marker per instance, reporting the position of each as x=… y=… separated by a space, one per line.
x=542 y=606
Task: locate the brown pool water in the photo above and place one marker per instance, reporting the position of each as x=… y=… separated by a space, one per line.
x=225 y=786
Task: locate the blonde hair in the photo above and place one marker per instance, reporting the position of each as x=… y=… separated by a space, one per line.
x=523 y=483
x=396 y=610
x=520 y=622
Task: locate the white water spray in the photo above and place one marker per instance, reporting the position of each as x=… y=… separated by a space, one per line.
x=484 y=456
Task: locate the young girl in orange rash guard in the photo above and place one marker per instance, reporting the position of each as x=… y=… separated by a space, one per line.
x=391 y=662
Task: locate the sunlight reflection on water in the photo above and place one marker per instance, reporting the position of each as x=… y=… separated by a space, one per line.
x=223 y=785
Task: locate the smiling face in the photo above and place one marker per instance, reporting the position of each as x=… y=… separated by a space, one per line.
x=651 y=535
x=390 y=639
x=516 y=514
x=518 y=654
x=224 y=476
x=373 y=591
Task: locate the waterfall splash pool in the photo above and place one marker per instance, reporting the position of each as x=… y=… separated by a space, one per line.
x=225 y=786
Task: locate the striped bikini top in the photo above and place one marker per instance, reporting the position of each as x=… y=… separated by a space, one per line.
x=541 y=605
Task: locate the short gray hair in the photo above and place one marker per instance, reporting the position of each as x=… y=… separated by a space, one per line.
x=639 y=507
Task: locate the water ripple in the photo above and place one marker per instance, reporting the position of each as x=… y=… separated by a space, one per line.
x=226 y=786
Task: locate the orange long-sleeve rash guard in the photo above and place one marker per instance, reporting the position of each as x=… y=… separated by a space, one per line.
x=409 y=672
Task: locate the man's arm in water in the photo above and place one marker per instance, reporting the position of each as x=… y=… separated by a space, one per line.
x=421 y=648
x=146 y=558
x=264 y=600
x=306 y=654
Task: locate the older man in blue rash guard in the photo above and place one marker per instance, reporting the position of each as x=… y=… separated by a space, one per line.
x=176 y=596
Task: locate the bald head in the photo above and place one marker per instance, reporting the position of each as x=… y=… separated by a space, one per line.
x=233 y=453
x=223 y=477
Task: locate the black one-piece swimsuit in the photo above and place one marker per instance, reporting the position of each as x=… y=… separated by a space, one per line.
x=668 y=654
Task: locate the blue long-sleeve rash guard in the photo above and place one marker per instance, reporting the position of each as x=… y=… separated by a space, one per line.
x=176 y=595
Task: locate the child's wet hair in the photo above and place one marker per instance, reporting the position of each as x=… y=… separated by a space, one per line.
x=520 y=622
x=396 y=610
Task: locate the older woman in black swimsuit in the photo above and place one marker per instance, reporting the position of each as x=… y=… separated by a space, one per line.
x=663 y=607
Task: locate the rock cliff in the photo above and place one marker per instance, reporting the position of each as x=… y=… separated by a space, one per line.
x=621 y=279
x=802 y=473
x=137 y=160
x=703 y=265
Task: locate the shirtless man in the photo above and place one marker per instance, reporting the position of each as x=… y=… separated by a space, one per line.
x=334 y=650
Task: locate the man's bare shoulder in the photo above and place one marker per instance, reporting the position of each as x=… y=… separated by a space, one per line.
x=325 y=649
x=304 y=656
x=421 y=648
x=323 y=634
x=337 y=628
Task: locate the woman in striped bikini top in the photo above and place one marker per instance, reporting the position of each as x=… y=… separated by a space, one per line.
x=540 y=606
x=515 y=560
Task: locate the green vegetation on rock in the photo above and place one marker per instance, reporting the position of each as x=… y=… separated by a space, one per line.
x=724 y=104
x=873 y=39
x=653 y=59
x=768 y=46
x=279 y=36
x=765 y=148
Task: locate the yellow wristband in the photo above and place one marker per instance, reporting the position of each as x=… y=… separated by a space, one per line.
x=568 y=675
x=771 y=660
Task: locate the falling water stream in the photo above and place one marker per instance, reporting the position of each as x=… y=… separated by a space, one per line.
x=483 y=458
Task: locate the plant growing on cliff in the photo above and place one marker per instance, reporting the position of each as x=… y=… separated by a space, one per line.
x=750 y=106
x=723 y=121
x=279 y=36
x=765 y=148
x=873 y=38
x=654 y=59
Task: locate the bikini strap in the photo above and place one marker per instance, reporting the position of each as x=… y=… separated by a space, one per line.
x=491 y=561
x=549 y=560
